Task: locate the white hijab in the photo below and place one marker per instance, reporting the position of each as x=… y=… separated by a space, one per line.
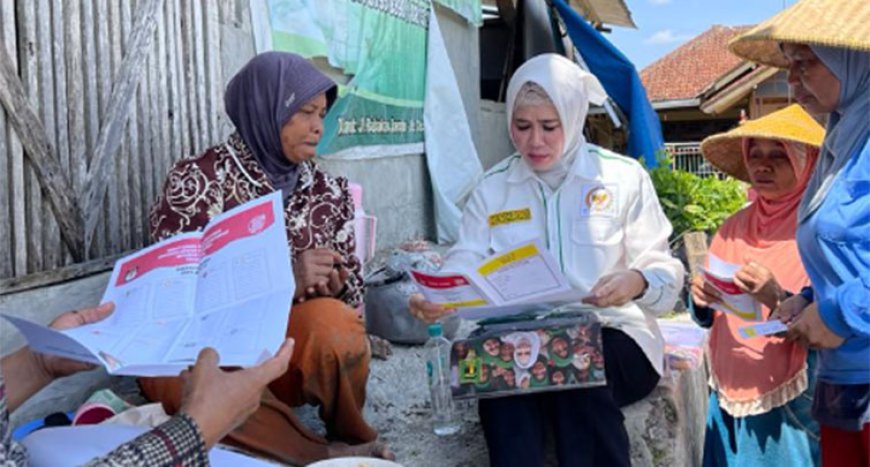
x=534 y=343
x=572 y=90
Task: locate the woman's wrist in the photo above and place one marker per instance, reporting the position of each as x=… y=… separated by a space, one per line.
x=773 y=298
x=645 y=286
x=808 y=294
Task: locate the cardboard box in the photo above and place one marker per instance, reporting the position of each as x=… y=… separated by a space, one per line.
x=561 y=351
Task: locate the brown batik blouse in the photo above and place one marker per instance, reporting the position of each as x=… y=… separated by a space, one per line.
x=319 y=212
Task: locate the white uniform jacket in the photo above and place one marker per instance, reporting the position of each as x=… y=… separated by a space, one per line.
x=604 y=218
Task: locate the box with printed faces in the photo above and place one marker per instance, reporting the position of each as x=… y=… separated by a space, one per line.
x=558 y=352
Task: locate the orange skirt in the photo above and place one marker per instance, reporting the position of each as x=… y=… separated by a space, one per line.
x=329 y=369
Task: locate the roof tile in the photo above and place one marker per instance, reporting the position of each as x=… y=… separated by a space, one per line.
x=693 y=66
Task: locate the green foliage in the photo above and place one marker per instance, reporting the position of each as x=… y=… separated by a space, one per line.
x=694 y=203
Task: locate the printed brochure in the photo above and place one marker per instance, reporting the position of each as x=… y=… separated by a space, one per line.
x=229 y=286
x=505 y=283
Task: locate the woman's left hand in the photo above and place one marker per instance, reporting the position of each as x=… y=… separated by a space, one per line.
x=335 y=285
x=756 y=280
x=809 y=330
x=56 y=367
x=616 y=289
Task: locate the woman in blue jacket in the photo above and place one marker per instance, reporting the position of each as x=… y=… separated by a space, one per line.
x=825 y=45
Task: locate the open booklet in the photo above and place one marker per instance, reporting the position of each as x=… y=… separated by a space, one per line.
x=229 y=287
x=720 y=274
x=511 y=282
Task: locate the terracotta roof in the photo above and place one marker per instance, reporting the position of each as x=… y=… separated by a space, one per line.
x=692 y=67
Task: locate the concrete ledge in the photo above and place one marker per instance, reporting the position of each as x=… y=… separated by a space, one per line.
x=666 y=429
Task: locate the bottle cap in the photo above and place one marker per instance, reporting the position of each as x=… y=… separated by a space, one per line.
x=435 y=330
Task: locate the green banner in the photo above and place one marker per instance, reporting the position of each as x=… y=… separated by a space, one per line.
x=381 y=46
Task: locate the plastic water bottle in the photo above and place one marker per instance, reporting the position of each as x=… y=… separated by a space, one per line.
x=437 y=351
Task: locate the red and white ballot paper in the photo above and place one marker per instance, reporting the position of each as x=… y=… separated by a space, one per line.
x=229 y=287
x=720 y=274
x=502 y=284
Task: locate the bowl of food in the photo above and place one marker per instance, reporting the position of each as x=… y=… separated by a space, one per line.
x=355 y=462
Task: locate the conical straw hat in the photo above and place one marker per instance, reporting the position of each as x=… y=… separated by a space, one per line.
x=789 y=124
x=834 y=23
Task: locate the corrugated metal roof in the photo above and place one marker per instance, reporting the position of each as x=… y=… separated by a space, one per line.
x=612 y=12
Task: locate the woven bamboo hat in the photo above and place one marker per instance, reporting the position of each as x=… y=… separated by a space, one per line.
x=833 y=23
x=792 y=124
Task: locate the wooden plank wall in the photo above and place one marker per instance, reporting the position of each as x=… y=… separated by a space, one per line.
x=67 y=55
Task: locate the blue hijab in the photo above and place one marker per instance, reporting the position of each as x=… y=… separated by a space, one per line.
x=848 y=125
x=262 y=97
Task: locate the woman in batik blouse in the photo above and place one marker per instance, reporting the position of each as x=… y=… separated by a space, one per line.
x=277 y=103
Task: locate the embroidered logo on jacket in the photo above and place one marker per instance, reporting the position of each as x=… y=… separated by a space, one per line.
x=598 y=200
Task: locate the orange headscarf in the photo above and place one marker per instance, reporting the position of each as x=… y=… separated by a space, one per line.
x=755 y=375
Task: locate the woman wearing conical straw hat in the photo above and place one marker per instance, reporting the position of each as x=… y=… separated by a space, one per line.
x=825 y=45
x=759 y=410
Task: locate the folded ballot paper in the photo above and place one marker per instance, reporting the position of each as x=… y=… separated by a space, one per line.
x=720 y=274
x=506 y=283
x=229 y=287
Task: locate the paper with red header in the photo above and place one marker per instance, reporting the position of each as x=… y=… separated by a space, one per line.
x=229 y=287
x=524 y=274
x=720 y=274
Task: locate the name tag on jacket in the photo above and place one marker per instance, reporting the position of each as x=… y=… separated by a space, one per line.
x=510 y=217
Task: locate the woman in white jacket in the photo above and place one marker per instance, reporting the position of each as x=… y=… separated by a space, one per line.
x=598 y=215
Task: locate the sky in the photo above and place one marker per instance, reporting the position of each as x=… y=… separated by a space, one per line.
x=663 y=25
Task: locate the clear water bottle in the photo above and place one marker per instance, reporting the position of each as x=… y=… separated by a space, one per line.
x=437 y=352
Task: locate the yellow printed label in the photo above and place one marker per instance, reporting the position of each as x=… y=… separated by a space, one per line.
x=478 y=302
x=510 y=257
x=469 y=369
x=509 y=217
x=748 y=315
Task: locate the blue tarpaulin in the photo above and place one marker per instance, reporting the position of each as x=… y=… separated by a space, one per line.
x=621 y=81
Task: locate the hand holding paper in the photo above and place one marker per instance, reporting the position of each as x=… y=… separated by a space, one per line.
x=720 y=275
x=790 y=308
x=616 y=289
x=57 y=367
x=229 y=287
x=449 y=290
x=762 y=329
x=427 y=311
x=523 y=275
x=756 y=280
x=703 y=293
